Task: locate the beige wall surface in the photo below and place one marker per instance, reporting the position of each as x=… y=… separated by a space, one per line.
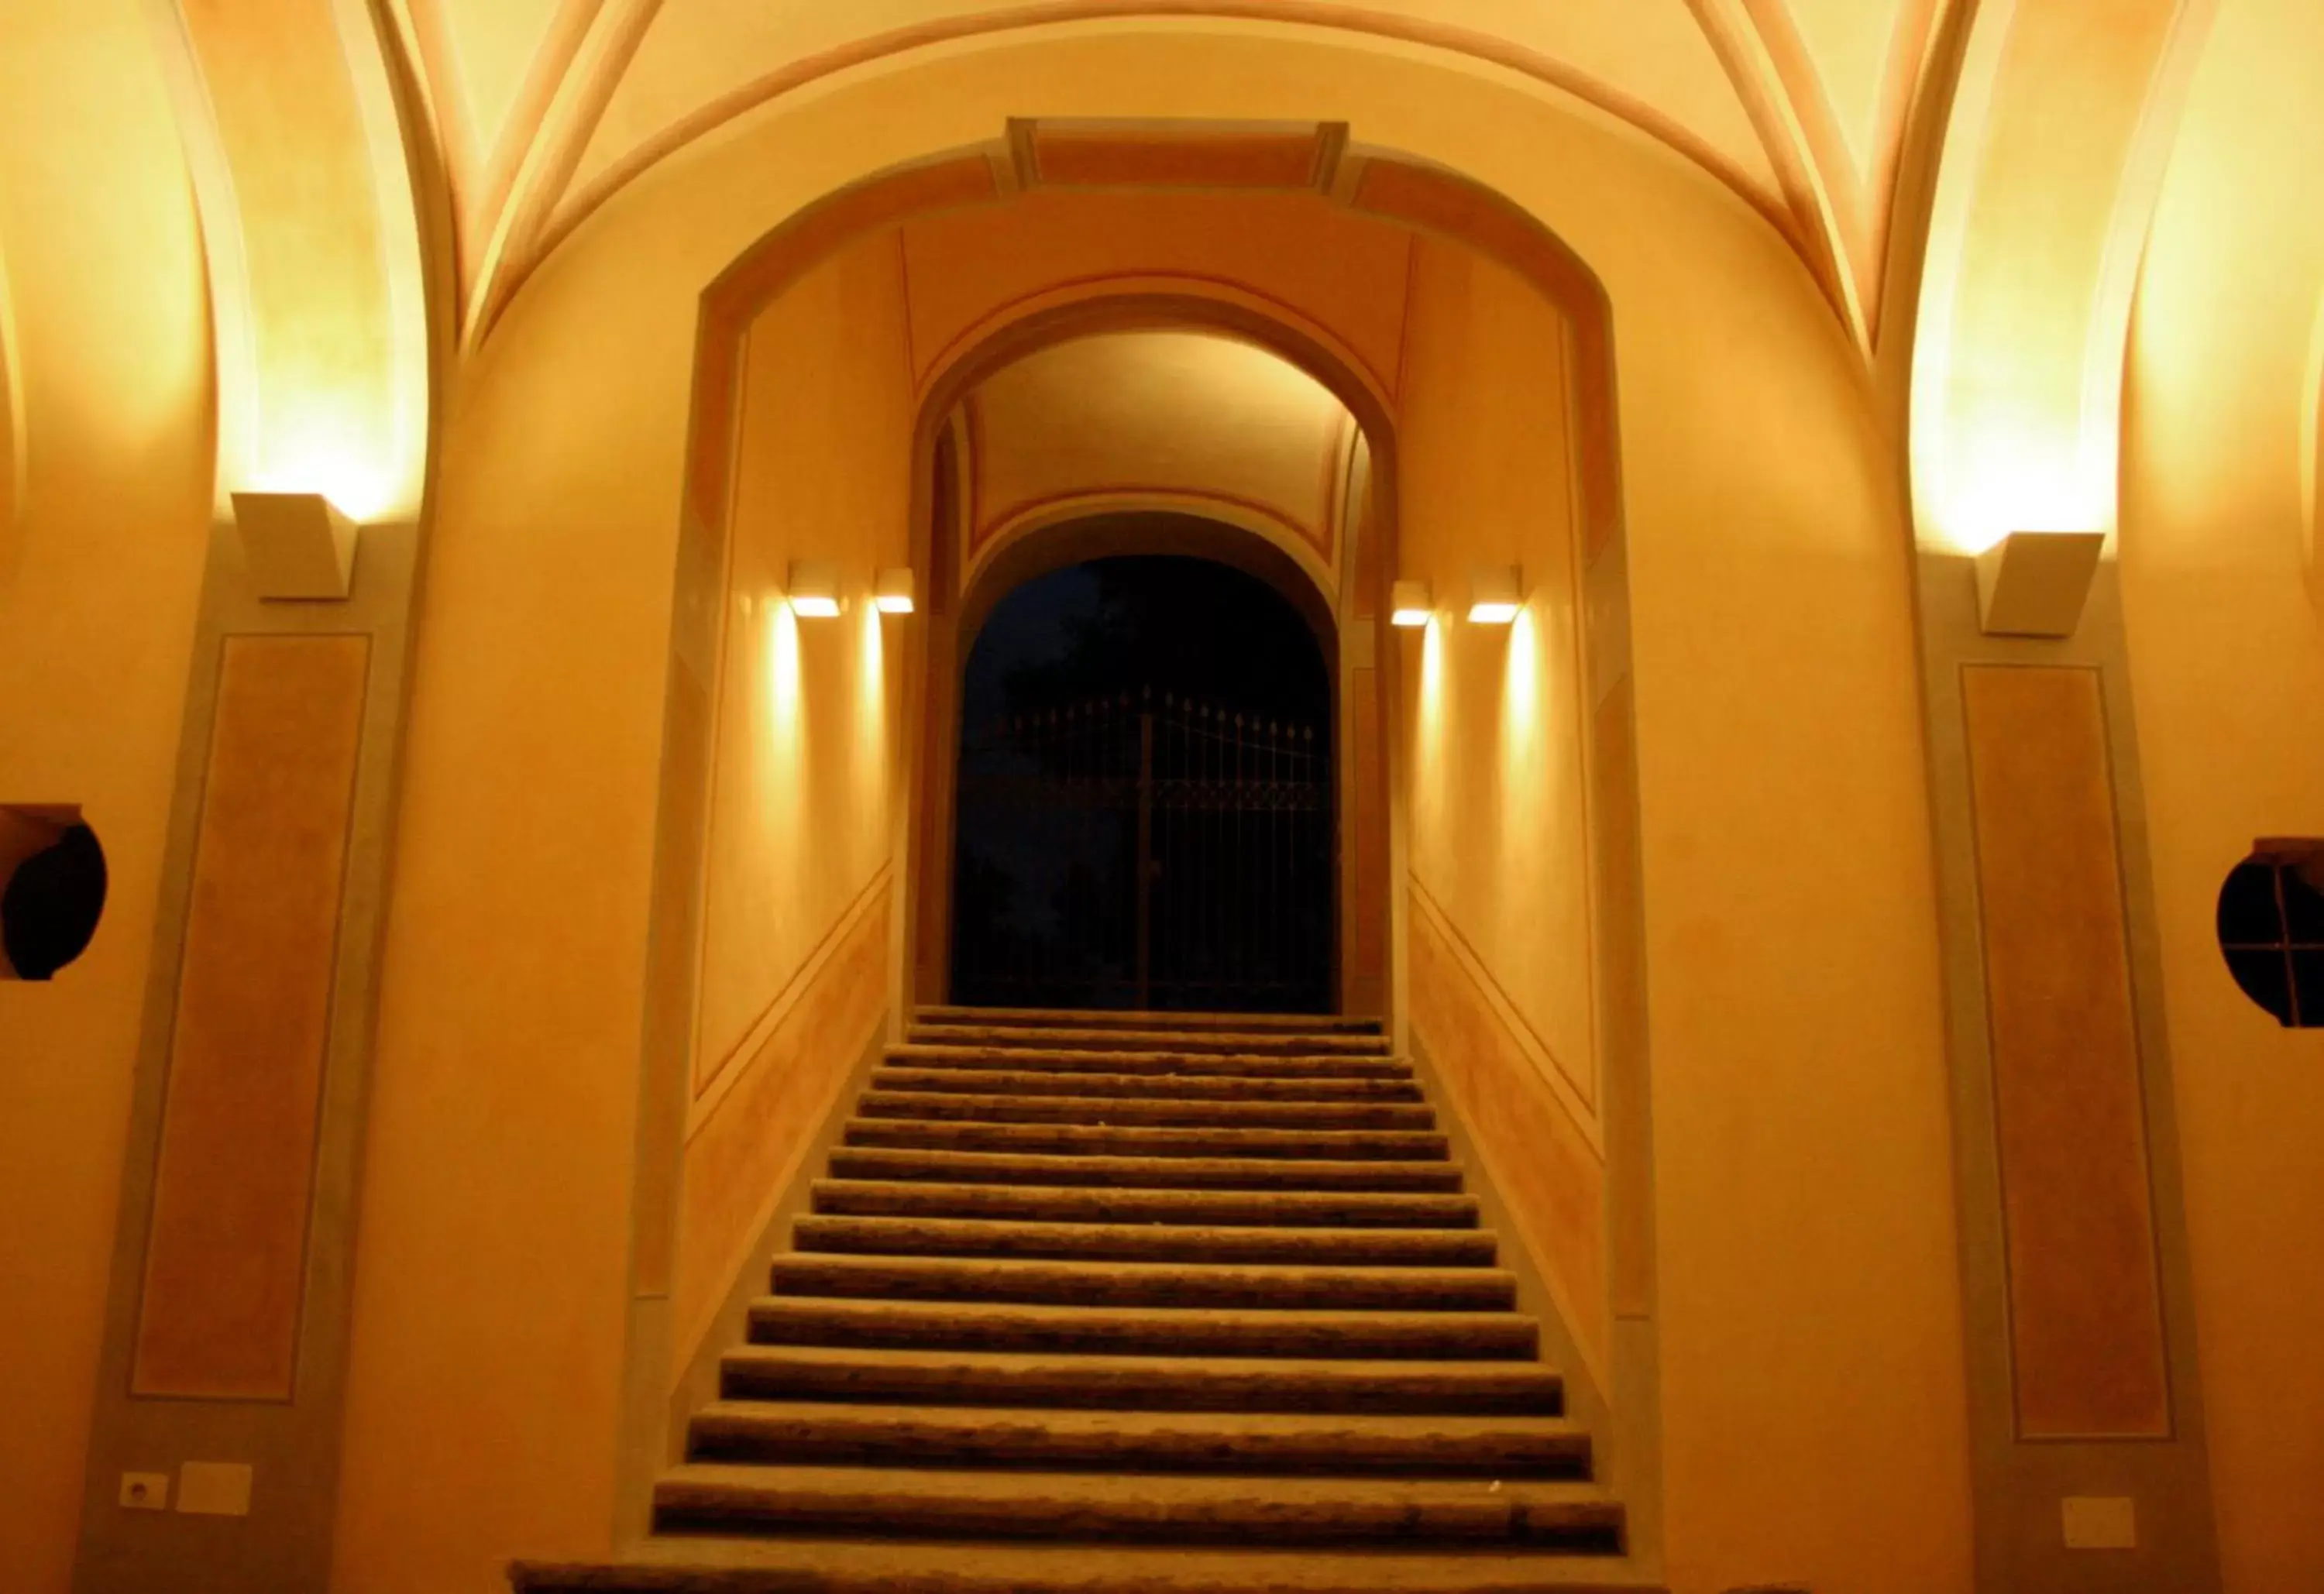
x=99 y=578
x=1494 y=716
x=1810 y=1314
x=808 y=715
x=2227 y=670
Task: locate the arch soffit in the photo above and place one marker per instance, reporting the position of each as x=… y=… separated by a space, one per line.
x=1426 y=200
x=1076 y=534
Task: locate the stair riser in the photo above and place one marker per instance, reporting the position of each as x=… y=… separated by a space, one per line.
x=1457 y=1336
x=1149 y=1242
x=1220 y=1043
x=1145 y=1064
x=937 y=1105
x=1306 y=1174
x=1135 y=1019
x=1523 y=1392
x=1032 y=1283
x=1159 y=1087
x=1224 y=1208
x=929 y=1443
x=1065 y=1139
x=1255 y=1521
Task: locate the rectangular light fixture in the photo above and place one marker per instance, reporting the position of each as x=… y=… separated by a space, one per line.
x=813 y=590
x=295 y=546
x=2033 y=584
x=893 y=592
x=1408 y=603
x=1496 y=594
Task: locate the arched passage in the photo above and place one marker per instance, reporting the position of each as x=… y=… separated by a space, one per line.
x=1144 y=811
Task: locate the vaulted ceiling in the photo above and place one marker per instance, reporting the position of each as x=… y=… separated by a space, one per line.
x=546 y=107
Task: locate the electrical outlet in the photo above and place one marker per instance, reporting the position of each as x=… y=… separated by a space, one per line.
x=144 y=1491
x=214 y=1489
x=2100 y=1521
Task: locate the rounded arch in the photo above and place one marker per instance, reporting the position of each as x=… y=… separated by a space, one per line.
x=1075 y=533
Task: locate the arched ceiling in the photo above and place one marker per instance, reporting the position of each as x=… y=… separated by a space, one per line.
x=1156 y=419
x=546 y=107
x=370 y=171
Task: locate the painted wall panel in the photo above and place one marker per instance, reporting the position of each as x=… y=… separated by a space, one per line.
x=226 y=1260
x=2086 y=1316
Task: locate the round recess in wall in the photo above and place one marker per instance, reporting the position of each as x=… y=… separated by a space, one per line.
x=52 y=895
x=2271 y=927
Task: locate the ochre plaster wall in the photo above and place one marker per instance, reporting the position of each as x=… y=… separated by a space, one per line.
x=1809 y=1311
x=2227 y=670
x=1497 y=829
x=809 y=710
x=99 y=578
x=807 y=755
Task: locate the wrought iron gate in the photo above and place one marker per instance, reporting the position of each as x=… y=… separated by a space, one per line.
x=1144 y=851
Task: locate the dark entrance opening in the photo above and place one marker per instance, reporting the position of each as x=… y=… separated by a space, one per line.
x=1146 y=797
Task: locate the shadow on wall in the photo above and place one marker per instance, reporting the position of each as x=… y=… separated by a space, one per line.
x=51 y=889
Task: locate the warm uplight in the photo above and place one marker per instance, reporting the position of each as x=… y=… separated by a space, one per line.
x=812 y=591
x=894 y=592
x=1496 y=595
x=1408 y=603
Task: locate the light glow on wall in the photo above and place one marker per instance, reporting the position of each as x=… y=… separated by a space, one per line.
x=812 y=591
x=1409 y=605
x=1496 y=594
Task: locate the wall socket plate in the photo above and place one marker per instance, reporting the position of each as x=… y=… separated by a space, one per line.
x=145 y=1491
x=2100 y=1521
x=214 y=1489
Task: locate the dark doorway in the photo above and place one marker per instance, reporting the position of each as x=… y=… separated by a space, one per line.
x=1145 y=804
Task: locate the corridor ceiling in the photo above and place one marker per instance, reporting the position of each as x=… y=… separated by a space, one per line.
x=1969 y=184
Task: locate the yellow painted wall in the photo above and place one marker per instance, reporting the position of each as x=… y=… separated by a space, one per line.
x=808 y=709
x=99 y=582
x=2227 y=667
x=1496 y=715
x=807 y=754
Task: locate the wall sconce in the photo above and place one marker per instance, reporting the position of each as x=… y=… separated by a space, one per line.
x=893 y=591
x=2033 y=584
x=813 y=590
x=295 y=545
x=1496 y=594
x=1408 y=604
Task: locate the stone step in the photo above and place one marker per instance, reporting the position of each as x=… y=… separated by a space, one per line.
x=808 y=1432
x=1248 y=1043
x=1141 y=1383
x=1067 y=1138
x=1149 y=1241
x=937 y=1105
x=1181 y=1284
x=1158 y=1087
x=1036 y=1204
x=1143 y=1330
x=1274 y=1173
x=1137 y=1508
x=1053 y=1060
x=1134 y=1019
x=823 y=1564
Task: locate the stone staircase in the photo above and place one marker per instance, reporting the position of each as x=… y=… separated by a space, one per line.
x=1122 y=1303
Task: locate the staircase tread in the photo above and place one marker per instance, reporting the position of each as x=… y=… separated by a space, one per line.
x=1103 y=1111
x=1098 y=1422
x=970 y=1057
x=1187 y=1331
x=1406 y=1144
x=1556 y=1496
x=1105 y=1039
x=1266 y=1208
x=1277 y=1367
x=678 y=1563
x=1160 y=1087
x=1238 y=1243
x=1255 y=1284
x=1142 y=1019
x=1096 y=1170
